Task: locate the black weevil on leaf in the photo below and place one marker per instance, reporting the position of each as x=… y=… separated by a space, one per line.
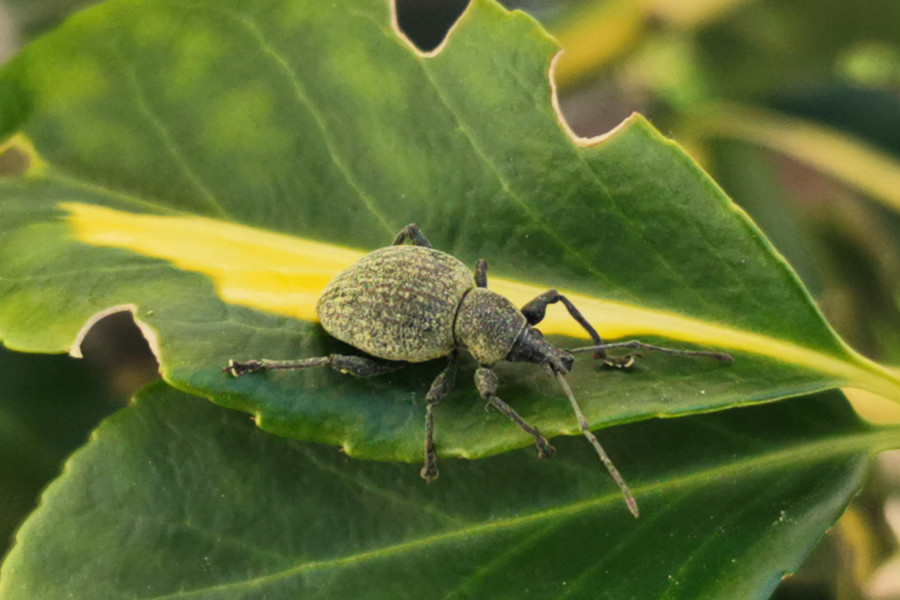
x=408 y=304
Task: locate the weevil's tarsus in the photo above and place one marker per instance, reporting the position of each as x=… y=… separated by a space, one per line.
x=412 y=233
x=252 y=366
x=607 y=462
x=358 y=366
x=620 y=362
x=639 y=345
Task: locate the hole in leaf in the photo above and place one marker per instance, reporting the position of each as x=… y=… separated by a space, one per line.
x=116 y=347
x=426 y=23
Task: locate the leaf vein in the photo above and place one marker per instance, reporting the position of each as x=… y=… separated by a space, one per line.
x=304 y=100
x=490 y=163
x=464 y=589
x=368 y=486
x=161 y=130
x=624 y=542
x=820 y=450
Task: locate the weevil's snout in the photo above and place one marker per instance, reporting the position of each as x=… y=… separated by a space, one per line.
x=532 y=347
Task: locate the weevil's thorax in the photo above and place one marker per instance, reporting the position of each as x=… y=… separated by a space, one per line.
x=488 y=325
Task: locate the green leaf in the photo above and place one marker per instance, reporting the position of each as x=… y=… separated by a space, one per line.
x=205 y=165
x=173 y=498
x=802 y=43
x=842 y=156
x=48 y=406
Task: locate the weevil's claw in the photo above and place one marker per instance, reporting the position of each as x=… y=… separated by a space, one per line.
x=545 y=450
x=240 y=368
x=622 y=362
x=429 y=473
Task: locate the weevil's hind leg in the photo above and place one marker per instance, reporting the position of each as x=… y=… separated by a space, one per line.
x=534 y=313
x=411 y=232
x=486 y=381
x=358 y=366
x=481 y=269
x=442 y=384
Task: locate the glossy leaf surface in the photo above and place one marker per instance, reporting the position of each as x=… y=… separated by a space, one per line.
x=175 y=498
x=48 y=406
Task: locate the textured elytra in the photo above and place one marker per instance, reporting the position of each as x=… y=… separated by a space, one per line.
x=397 y=303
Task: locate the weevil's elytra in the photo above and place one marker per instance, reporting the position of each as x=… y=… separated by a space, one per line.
x=381 y=306
x=409 y=304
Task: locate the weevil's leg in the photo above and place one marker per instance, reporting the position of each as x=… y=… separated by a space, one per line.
x=534 y=313
x=442 y=384
x=411 y=232
x=481 y=269
x=358 y=366
x=486 y=381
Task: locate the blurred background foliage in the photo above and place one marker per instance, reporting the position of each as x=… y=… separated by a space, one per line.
x=792 y=105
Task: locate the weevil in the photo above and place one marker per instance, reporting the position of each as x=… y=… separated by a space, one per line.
x=406 y=304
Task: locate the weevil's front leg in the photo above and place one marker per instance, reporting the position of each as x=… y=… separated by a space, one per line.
x=411 y=232
x=534 y=313
x=486 y=381
x=442 y=384
x=358 y=366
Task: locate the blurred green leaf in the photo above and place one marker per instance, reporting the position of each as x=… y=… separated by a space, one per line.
x=595 y=34
x=799 y=42
x=848 y=159
x=174 y=498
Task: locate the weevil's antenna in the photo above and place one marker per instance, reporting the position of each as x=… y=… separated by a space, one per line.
x=639 y=345
x=607 y=462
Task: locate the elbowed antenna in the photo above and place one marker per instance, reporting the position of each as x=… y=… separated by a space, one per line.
x=607 y=462
x=639 y=345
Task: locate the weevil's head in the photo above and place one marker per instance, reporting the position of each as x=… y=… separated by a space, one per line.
x=532 y=347
x=493 y=329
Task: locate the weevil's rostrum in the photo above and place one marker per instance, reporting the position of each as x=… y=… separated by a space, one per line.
x=409 y=304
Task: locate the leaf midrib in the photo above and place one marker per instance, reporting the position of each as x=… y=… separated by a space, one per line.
x=868 y=441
